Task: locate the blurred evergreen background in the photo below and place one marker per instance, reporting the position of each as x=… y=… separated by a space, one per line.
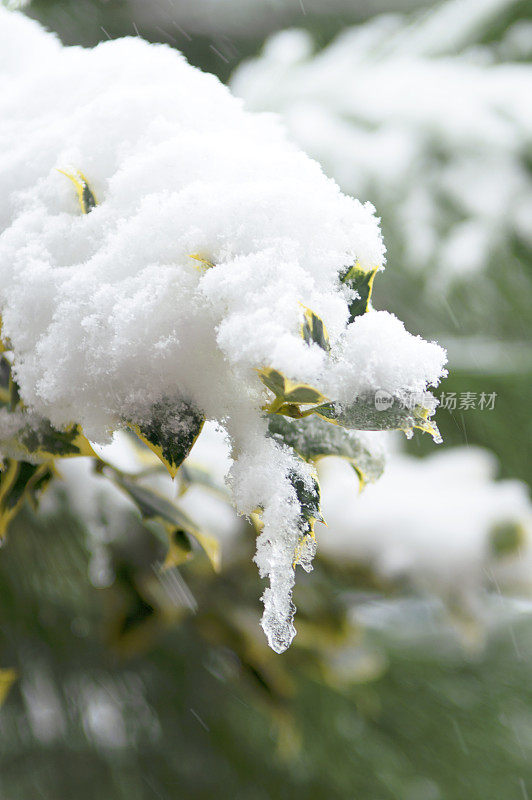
x=124 y=694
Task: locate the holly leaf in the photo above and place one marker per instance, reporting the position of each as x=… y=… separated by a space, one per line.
x=20 y=481
x=203 y=263
x=288 y=394
x=7 y=679
x=43 y=442
x=5 y=378
x=314 y=438
x=361 y=281
x=86 y=198
x=314 y=331
x=182 y=532
x=171 y=431
x=365 y=413
x=309 y=497
x=3 y=343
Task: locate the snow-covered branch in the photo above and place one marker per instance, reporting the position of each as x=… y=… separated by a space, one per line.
x=167 y=257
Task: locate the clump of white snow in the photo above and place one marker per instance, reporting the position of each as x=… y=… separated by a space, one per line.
x=108 y=314
x=432 y=523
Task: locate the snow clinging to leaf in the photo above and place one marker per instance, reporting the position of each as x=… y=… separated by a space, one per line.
x=159 y=248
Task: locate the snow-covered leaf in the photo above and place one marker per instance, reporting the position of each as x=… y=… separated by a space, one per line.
x=308 y=495
x=314 y=438
x=170 y=432
x=364 y=415
x=86 y=198
x=313 y=330
x=43 y=442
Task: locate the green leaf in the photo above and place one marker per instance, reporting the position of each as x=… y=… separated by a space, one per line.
x=506 y=539
x=361 y=281
x=314 y=438
x=14 y=393
x=363 y=414
x=5 y=378
x=9 y=391
x=20 y=480
x=309 y=497
x=171 y=431
x=36 y=440
x=43 y=442
x=274 y=380
x=314 y=331
x=153 y=506
x=290 y=410
x=287 y=392
x=301 y=394
x=179 y=548
x=87 y=200
x=7 y=679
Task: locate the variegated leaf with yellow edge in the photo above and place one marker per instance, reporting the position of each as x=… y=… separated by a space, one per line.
x=87 y=200
x=46 y=442
x=9 y=391
x=363 y=415
x=5 y=381
x=313 y=329
x=178 y=551
x=35 y=439
x=314 y=438
x=7 y=679
x=3 y=344
x=20 y=481
x=177 y=524
x=361 y=281
x=309 y=498
x=288 y=394
x=170 y=431
x=179 y=547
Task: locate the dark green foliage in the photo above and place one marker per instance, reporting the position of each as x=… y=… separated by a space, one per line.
x=435 y=724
